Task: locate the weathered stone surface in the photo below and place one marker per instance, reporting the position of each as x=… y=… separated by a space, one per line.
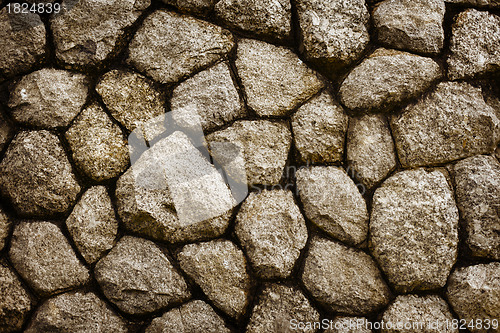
x=48 y=98
x=414 y=229
x=6 y=130
x=477 y=3
x=275 y=80
x=349 y=325
x=137 y=277
x=413 y=25
x=332 y=201
x=386 y=79
x=278 y=306
x=219 y=268
x=169 y=46
x=450 y=123
x=76 y=312
x=43 y=257
x=5 y=224
x=87 y=32
x=199 y=7
x=370 y=149
x=474 y=44
x=36 y=175
x=15 y=303
x=319 y=128
x=272 y=231
x=474 y=293
x=343 y=279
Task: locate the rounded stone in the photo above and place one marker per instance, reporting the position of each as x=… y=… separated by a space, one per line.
x=349 y=325
x=5 y=225
x=6 y=130
x=15 y=302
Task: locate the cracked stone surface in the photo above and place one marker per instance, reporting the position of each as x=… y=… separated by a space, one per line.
x=15 y=302
x=197 y=7
x=478 y=3
x=5 y=226
x=6 y=130
x=348 y=325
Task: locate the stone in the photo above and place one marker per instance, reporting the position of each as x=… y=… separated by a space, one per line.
x=474 y=45
x=477 y=3
x=139 y=278
x=416 y=26
x=272 y=232
x=275 y=80
x=332 y=201
x=386 y=79
x=36 y=175
x=169 y=47
x=6 y=131
x=92 y=224
x=76 y=312
x=219 y=268
x=343 y=279
x=349 y=325
x=370 y=149
x=48 y=98
x=197 y=7
x=5 y=225
x=319 y=128
x=450 y=123
x=44 y=258
x=15 y=302
x=414 y=229
x=477 y=188
x=87 y=32
x=278 y=308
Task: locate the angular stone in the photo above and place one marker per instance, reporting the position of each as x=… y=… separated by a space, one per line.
x=413 y=25
x=198 y=7
x=319 y=128
x=450 y=123
x=168 y=47
x=474 y=44
x=278 y=306
x=274 y=78
x=5 y=225
x=43 y=257
x=272 y=231
x=349 y=325
x=36 y=175
x=48 y=98
x=15 y=302
x=477 y=3
x=343 y=279
x=332 y=202
x=386 y=79
x=219 y=268
x=88 y=32
x=138 y=278
x=414 y=229
x=6 y=130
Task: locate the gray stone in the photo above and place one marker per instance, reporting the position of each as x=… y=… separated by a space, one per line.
x=275 y=80
x=219 y=268
x=272 y=231
x=43 y=257
x=138 y=278
x=477 y=3
x=474 y=45
x=197 y=7
x=15 y=302
x=343 y=279
x=386 y=79
x=5 y=224
x=169 y=47
x=349 y=325
x=450 y=123
x=6 y=130
x=36 y=175
x=319 y=128
x=48 y=98
x=414 y=229
x=332 y=202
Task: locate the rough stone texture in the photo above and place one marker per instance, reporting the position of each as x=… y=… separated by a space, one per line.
x=343 y=279
x=137 y=277
x=197 y=7
x=332 y=201
x=6 y=130
x=43 y=257
x=169 y=46
x=272 y=231
x=193 y=317
x=477 y=3
x=275 y=80
x=92 y=224
x=370 y=149
x=319 y=128
x=36 y=175
x=48 y=98
x=386 y=79
x=413 y=25
x=474 y=293
x=477 y=186
x=76 y=312
x=5 y=224
x=277 y=305
x=413 y=229
x=15 y=303
x=87 y=32
x=219 y=268
x=450 y=123
x=474 y=44
x=349 y=325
